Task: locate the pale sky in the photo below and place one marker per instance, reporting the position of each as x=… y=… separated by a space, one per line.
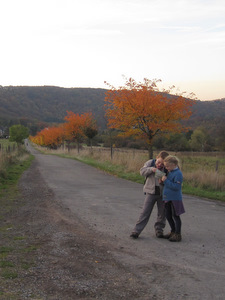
x=82 y=43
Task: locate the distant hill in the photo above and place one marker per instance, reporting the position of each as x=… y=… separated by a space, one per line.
x=207 y=113
x=49 y=104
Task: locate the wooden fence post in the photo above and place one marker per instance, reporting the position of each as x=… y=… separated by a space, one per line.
x=217 y=166
x=111 y=151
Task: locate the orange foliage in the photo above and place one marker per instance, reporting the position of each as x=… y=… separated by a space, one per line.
x=140 y=109
x=73 y=130
x=50 y=137
x=76 y=124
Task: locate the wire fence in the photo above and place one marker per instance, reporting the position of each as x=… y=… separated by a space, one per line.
x=211 y=161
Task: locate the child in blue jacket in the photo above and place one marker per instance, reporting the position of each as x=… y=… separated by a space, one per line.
x=172 y=196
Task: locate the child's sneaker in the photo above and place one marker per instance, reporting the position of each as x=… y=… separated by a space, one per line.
x=176 y=237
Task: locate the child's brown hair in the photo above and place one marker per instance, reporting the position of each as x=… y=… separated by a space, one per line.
x=162 y=154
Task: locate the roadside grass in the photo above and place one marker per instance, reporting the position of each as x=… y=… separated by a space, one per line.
x=5 y=263
x=204 y=173
x=204 y=193
x=8 y=274
x=13 y=161
x=14 y=248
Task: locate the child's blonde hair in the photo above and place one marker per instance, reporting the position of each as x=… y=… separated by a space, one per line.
x=170 y=159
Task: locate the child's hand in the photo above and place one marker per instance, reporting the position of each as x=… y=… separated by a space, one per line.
x=154 y=170
x=164 y=178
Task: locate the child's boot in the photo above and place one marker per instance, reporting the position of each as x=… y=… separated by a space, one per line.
x=176 y=237
x=168 y=235
x=134 y=235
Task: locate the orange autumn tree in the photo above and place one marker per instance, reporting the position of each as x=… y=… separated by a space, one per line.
x=142 y=110
x=50 y=137
x=76 y=126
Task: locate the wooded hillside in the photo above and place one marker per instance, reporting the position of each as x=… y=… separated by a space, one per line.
x=49 y=104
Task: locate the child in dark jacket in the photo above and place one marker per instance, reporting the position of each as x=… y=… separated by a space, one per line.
x=172 y=196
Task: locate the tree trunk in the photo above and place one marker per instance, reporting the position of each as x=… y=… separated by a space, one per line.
x=150 y=152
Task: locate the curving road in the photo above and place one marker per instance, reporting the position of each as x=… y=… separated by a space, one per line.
x=192 y=269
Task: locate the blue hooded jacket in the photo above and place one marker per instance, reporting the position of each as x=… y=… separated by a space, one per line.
x=173 y=186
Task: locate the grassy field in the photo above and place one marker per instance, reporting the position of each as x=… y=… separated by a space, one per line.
x=204 y=173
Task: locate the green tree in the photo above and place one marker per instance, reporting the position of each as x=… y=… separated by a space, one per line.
x=18 y=133
x=177 y=142
x=90 y=133
x=198 y=139
x=220 y=139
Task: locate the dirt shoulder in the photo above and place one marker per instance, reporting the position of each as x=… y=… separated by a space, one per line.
x=47 y=254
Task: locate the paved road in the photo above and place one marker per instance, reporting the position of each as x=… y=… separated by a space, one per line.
x=192 y=269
